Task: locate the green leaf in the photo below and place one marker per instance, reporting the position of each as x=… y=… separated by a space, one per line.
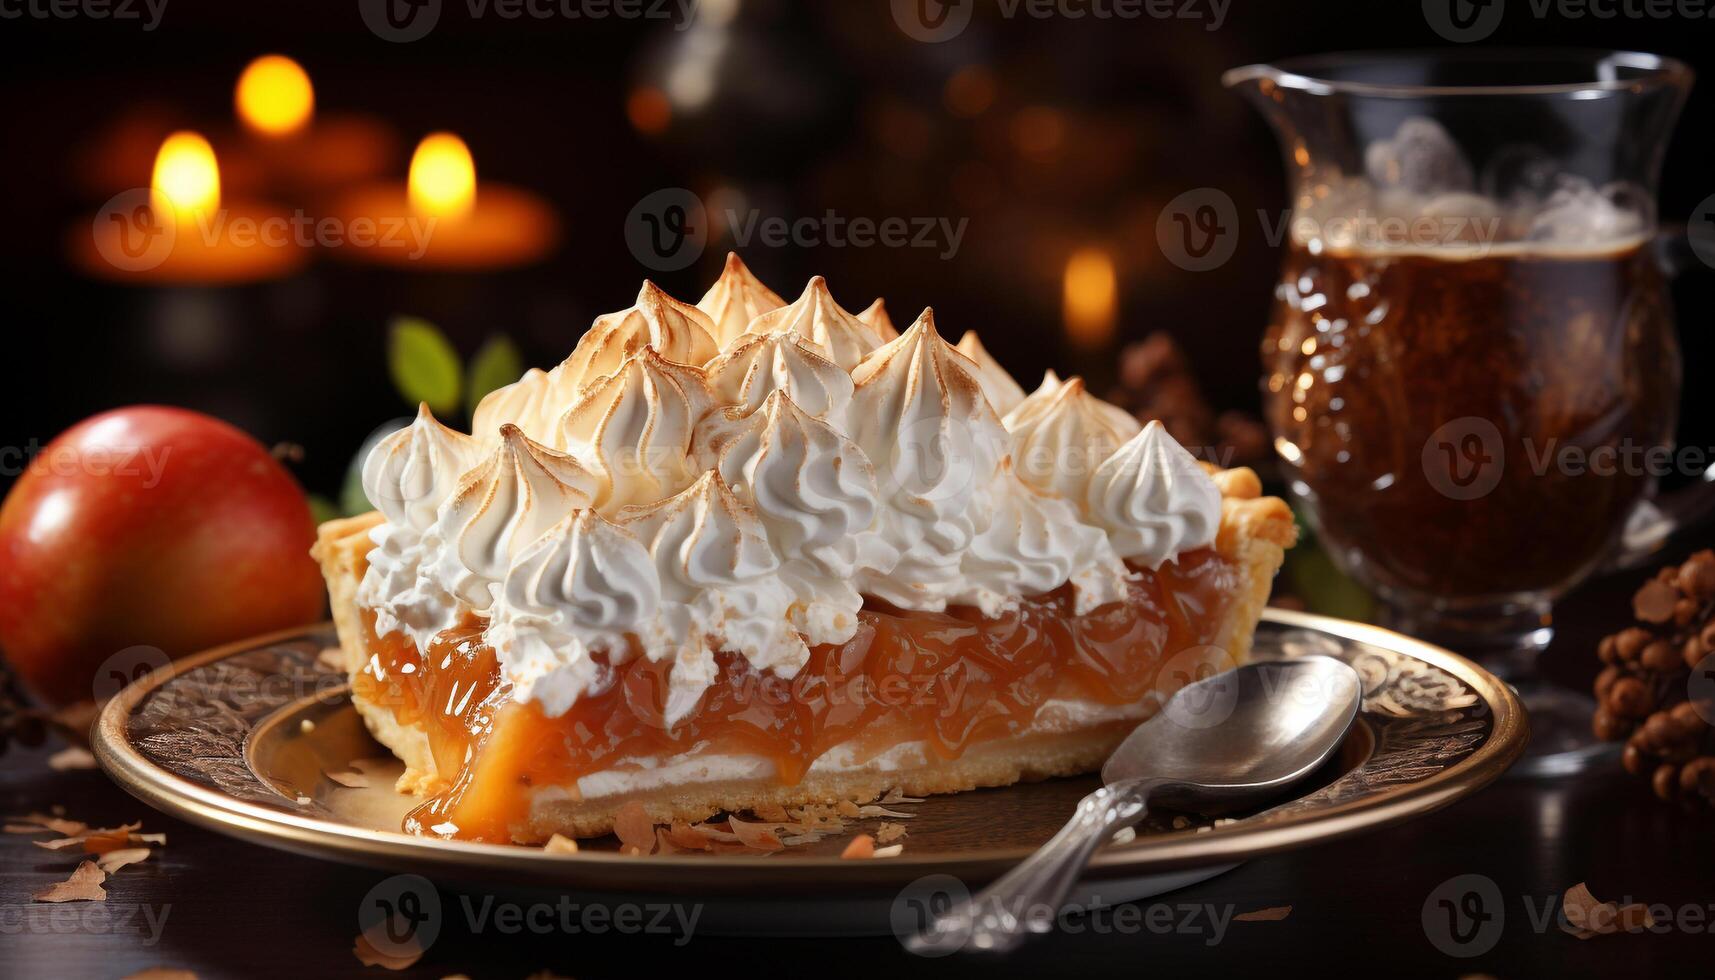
x=352 y=499
x=322 y=509
x=495 y=365
x=1324 y=588
x=424 y=366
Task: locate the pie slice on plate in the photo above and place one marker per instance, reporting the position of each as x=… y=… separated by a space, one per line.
x=797 y=564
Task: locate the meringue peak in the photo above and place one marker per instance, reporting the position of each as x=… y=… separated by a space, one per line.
x=735 y=299
x=508 y=501
x=929 y=363
x=523 y=455
x=1061 y=437
x=1154 y=499
x=411 y=470
x=875 y=316
x=678 y=331
x=761 y=364
x=816 y=317
x=702 y=536
x=527 y=403
x=1003 y=392
x=635 y=426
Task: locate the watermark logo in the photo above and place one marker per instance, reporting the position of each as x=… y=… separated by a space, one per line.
x=923 y=903
x=1216 y=694
x=1700 y=228
x=400 y=21
x=133 y=232
x=128 y=665
x=133 y=235
x=1199 y=229
x=401 y=916
x=667 y=230
x=1463 y=21
x=1464 y=458
x=933 y=462
x=932 y=21
x=1464 y=916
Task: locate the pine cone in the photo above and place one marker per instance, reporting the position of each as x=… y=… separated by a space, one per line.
x=1156 y=384
x=1644 y=694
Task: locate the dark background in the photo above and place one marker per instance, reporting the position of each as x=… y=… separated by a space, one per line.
x=819 y=105
x=815 y=106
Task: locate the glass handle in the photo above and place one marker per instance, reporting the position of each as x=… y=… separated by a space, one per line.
x=1658 y=519
x=1675 y=251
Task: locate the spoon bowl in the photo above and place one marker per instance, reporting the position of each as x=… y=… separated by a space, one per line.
x=1240 y=735
x=1216 y=745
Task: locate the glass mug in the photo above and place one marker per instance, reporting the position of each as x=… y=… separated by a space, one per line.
x=1472 y=370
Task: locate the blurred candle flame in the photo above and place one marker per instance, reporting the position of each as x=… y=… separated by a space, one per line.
x=442 y=181
x=274 y=96
x=186 y=178
x=1090 y=289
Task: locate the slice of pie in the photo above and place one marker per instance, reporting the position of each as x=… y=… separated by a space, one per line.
x=795 y=564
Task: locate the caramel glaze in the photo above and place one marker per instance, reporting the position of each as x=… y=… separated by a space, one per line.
x=946 y=679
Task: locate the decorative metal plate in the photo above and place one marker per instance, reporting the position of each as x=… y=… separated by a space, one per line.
x=241 y=739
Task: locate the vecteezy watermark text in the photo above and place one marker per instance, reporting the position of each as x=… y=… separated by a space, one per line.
x=403 y=915
x=135 y=232
x=668 y=230
x=1199 y=230
x=148 y=12
x=567 y=917
x=1466 y=457
x=146 y=463
x=402 y=21
x=1466 y=916
x=86 y=919
x=1464 y=21
x=934 y=21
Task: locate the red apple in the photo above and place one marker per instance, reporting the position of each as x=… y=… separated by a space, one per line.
x=148 y=526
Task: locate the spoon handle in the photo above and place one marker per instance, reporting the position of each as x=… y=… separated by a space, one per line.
x=1028 y=898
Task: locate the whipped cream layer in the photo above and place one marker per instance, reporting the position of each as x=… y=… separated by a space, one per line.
x=738 y=475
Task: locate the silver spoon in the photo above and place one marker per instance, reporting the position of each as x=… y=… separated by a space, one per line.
x=1216 y=745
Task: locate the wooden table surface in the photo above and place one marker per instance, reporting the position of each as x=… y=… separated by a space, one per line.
x=1369 y=905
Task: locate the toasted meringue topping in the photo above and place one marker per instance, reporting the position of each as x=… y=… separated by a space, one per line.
x=811 y=486
x=634 y=427
x=1059 y=440
x=1037 y=401
x=584 y=587
x=757 y=365
x=1154 y=500
x=530 y=403
x=1003 y=393
x=409 y=473
x=921 y=416
x=719 y=586
x=505 y=503
x=750 y=505
x=1035 y=543
x=815 y=495
x=735 y=299
x=678 y=331
x=876 y=318
x=815 y=317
